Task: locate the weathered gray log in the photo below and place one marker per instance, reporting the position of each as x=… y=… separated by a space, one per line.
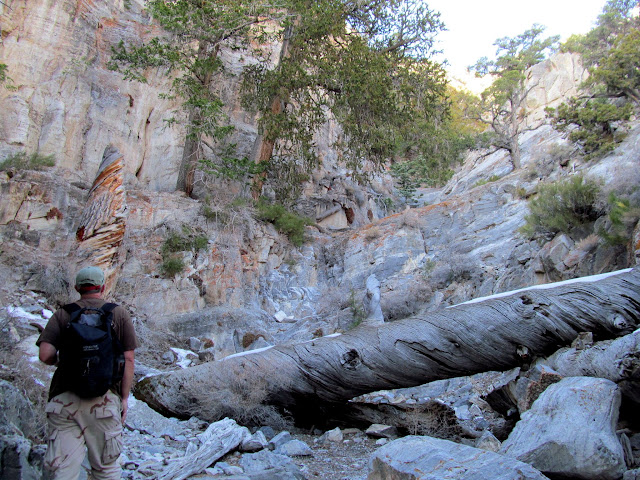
x=219 y=439
x=616 y=360
x=462 y=340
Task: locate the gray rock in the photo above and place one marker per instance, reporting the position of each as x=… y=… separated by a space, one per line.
x=16 y=412
x=382 y=431
x=294 y=448
x=334 y=435
x=16 y=459
x=195 y=344
x=142 y=418
x=631 y=474
x=428 y=458
x=268 y=432
x=266 y=465
x=489 y=442
x=531 y=384
x=255 y=443
x=570 y=431
x=279 y=439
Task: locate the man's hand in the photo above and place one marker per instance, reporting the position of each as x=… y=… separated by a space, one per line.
x=125 y=409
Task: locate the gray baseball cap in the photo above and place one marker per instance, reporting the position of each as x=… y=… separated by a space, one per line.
x=90 y=276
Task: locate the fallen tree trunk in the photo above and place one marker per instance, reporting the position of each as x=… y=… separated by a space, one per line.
x=497 y=333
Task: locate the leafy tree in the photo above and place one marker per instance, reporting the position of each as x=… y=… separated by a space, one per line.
x=431 y=146
x=196 y=32
x=616 y=19
x=6 y=79
x=593 y=124
x=619 y=71
x=502 y=105
x=597 y=118
x=364 y=61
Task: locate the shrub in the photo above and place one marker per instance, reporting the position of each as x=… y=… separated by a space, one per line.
x=622 y=217
x=286 y=222
x=236 y=394
x=492 y=178
x=22 y=161
x=172 y=266
x=560 y=207
x=179 y=242
x=357 y=310
x=176 y=242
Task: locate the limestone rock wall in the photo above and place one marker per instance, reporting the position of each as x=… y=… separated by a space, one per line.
x=68 y=104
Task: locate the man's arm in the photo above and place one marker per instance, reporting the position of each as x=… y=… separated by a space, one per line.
x=48 y=353
x=127 y=381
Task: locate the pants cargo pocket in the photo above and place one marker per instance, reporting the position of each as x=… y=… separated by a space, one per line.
x=112 y=446
x=54 y=457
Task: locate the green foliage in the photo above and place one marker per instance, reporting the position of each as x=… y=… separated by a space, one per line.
x=366 y=62
x=501 y=105
x=612 y=53
x=197 y=31
x=376 y=83
x=357 y=310
x=22 y=161
x=484 y=181
x=560 y=207
x=177 y=242
x=286 y=222
x=171 y=266
x=5 y=79
x=617 y=19
x=598 y=123
x=618 y=72
x=623 y=216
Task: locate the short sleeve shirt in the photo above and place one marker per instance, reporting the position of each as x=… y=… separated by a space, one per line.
x=122 y=326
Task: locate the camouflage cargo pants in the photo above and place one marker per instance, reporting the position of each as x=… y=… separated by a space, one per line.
x=76 y=422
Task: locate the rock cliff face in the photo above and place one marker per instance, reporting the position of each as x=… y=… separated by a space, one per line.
x=249 y=282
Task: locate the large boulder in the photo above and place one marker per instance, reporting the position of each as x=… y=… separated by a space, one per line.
x=570 y=431
x=416 y=458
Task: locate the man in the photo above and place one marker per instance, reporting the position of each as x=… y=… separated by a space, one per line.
x=76 y=422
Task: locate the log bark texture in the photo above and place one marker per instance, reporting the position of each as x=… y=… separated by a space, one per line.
x=218 y=440
x=493 y=334
x=102 y=225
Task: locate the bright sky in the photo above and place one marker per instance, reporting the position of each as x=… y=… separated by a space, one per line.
x=474 y=25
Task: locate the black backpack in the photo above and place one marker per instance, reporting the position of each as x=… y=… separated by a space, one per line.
x=91 y=357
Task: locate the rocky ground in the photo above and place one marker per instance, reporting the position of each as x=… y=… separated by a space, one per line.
x=342 y=460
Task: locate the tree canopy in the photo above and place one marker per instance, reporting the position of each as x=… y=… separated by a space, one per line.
x=501 y=105
x=364 y=62
x=596 y=119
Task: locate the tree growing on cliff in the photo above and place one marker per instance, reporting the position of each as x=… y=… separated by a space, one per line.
x=596 y=119
x=502 y=105
x=364 y=61
x=196 y=30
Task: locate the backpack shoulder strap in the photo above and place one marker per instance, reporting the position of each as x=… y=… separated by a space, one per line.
x=108 y=307
x=70 y=308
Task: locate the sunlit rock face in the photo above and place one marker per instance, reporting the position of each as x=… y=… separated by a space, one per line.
x=67 y=103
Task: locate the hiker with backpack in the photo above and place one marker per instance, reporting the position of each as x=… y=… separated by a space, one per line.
x=92 y=343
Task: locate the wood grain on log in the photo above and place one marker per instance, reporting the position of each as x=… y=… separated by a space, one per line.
x=462 y=340
x=219 y=439
x=102 y=225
